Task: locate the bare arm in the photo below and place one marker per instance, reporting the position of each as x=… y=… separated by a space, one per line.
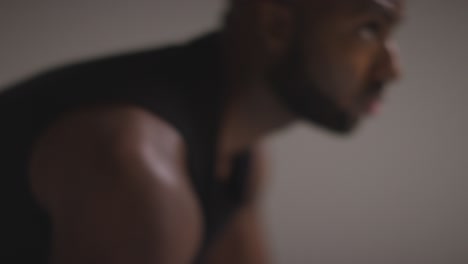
x=244 y=239
x=114 y=185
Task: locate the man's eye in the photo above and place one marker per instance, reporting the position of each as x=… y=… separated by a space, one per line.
x=370 y=31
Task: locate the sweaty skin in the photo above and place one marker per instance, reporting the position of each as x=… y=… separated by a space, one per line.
x=115 y=180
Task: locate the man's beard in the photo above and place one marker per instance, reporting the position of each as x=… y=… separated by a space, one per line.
x=304 y=98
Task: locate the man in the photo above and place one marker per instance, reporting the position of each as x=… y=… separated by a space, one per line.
x=153 y=157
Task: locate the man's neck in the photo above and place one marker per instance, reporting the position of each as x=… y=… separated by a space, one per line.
x=249 y=116
x=251 y=110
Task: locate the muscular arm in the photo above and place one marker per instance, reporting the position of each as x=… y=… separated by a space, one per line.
x=114 y=185
x=244 y=239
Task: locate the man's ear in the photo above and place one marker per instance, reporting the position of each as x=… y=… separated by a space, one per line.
x=276 y=26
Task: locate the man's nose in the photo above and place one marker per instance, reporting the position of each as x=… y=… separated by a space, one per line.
x=389 y=66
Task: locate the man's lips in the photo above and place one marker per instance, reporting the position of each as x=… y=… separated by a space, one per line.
x=374 y=107
x=373 y=99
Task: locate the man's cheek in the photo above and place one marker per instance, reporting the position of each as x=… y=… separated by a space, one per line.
x=342 y=81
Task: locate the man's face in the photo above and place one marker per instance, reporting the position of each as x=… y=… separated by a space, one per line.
x=340 y=57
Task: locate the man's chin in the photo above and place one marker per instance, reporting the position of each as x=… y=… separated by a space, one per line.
x=340 y=124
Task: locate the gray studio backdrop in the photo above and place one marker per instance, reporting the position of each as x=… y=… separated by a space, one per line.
x=396 y=192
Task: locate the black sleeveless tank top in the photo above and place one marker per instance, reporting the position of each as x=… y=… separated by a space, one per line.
x=181 y=84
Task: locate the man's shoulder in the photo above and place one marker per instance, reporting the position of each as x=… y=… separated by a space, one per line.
x=107 y=138
x=116 y=126
x=112 y=176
